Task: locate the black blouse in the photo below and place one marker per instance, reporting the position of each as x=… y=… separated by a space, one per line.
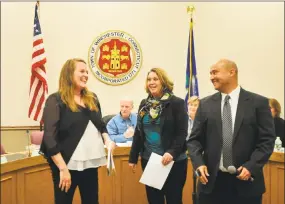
x=63 y=128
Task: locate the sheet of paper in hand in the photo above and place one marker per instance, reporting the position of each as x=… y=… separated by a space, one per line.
x=155 y=173
x=110 y=163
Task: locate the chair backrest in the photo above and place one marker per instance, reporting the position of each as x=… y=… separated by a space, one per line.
x=37 y=137
x=2 y=150
x=107 y=118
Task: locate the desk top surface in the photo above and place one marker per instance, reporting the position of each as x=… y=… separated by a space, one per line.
x=26 y=162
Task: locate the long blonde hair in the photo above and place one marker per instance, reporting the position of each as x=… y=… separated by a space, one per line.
x=67 y=87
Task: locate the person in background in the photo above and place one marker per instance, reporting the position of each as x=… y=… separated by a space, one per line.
x=192 y=104
x=122 y=126
x=278 y=122
x=231 y=140
x=73 y=131
x=162 y=129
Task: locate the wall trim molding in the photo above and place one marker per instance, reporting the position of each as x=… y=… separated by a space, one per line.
x=13 y=128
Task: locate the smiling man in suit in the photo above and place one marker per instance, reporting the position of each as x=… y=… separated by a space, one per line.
x=232 y=128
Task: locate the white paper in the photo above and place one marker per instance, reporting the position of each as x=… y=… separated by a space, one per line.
x=3 y=160
x=110 y=162
x=35 y=153
x=155 y=173
x=126 y=144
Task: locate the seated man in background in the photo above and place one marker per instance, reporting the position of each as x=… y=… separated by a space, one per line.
x=121 y=127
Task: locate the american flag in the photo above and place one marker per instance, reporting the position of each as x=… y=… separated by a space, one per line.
x=38 y=83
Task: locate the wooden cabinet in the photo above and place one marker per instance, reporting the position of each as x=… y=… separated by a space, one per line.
x=29 y=181
x=9 y=188
x=276 y=183
x=123 y=186
x=266 y=195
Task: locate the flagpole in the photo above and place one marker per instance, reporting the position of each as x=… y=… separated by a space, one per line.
x=38 y=11
x=190 y=9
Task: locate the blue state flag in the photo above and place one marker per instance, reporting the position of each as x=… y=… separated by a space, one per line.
x=191 y=72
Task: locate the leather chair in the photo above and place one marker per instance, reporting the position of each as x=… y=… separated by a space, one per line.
x=107 y=118
x=37 y=137
x=3 y=150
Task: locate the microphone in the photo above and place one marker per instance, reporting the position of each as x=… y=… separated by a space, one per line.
x=197 y=173
x=233 y=170
x=29 y=143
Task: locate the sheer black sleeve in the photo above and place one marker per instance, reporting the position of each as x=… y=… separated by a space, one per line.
x=96 y=117
x=51 y=117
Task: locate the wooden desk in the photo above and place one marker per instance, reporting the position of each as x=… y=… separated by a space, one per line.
x=274 y=179
x=28 y=181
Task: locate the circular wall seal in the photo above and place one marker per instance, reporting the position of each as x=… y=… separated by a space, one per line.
x=115 y=57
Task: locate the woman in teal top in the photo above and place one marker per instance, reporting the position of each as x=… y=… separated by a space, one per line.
x=162 y=128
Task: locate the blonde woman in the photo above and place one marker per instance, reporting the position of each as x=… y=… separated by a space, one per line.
x=278 y=122
x=73 y=131
x=192 y=104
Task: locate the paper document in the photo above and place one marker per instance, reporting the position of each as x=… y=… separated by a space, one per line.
x=110 y=163
x=35 y=153
x=3 y=160
x=155 y=173
x=126 y=144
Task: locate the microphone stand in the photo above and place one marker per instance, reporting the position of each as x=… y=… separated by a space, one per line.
x=29 y=143
x=194 y=196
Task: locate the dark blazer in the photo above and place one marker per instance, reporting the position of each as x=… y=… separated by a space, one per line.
x=63 y=128
x=253 y=139
x=174 y=125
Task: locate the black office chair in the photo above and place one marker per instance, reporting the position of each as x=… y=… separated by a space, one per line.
x=107 y=118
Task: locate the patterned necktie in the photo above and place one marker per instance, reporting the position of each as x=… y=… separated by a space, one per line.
x=227 y=133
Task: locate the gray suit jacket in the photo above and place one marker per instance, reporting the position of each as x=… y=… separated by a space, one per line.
x=253 y=139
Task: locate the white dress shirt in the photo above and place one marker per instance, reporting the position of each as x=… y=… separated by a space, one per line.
x=234 y=96
x=190 y=125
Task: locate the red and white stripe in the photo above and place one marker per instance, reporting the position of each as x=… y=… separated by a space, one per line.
x=38 y=83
